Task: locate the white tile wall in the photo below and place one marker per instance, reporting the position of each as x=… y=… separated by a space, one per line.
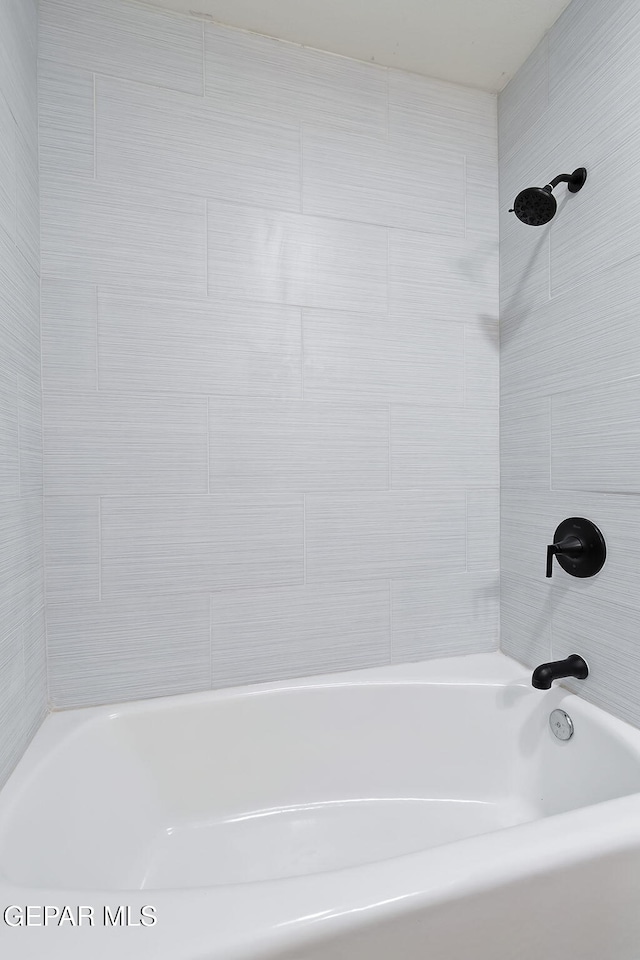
x=206 y=346
x=298 y=445
x=128 y=648
x=263 y=77
x=182 y=544
x=189 y=145
x=23 y=681
x=146 y=240
x=352 y=357
x=66 y=126
x=265 y=269
x=374 y=180
x=444 y=615
x=570 y=370
x=256 y=254
x=296 y=631
x=72 y=548
x=458 y=448
x=384 y=535
x=124 y=39
x=118 y=444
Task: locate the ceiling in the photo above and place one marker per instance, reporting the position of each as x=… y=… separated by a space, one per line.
x=480 y=43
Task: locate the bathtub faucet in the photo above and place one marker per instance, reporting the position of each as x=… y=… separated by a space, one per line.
x=546 y=673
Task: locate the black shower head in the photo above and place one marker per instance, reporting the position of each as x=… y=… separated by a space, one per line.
x=536 y=206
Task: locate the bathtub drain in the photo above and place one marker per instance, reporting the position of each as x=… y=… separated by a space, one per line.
x=561 y=725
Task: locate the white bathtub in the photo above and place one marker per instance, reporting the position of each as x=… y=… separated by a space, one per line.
x=421 y=811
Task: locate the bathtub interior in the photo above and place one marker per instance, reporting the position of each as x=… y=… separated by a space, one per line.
x=257 y=785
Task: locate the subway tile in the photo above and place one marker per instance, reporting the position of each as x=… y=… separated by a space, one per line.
x=189 y=145
x=295 y=445
x=127 y=649
x=30 y=433
x=27 y=198
x=525 y=619
x=7 y=169
x=69 y=336
x=271 y=78
x=482 y=364
x=606 y=635
x=172 y=545
x=72 y=548
x=9 y=434
x=595 y=438
x=483 y=526
x=525 y=98
x=123 y=444
x=298 y=631
x=443 y=447
x=18 y=60
x=347 y=356
x=12 y=716
x=524 y=273
x=124 y=39
x=525 y=443
x=21 y=579
x=444 y=615
x=19 y=311
x=372 y=180
x=381 y=535
x=539 y=347
x=66 y=119
x=287 y=258
x=146 y=240
x=35 y=670
x=444 y=113
x=442 y=278
x=482 y=203
x=216 y=347
x=602 y=219
x=583 y=43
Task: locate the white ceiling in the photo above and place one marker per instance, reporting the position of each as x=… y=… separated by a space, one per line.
x=480 y=43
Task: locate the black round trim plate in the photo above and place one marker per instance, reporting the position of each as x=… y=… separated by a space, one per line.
x=591 y=558
x=578 y=178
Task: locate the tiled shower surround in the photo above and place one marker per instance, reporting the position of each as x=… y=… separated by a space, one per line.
x=570 y=348
x=270 y=357
x=23 y=687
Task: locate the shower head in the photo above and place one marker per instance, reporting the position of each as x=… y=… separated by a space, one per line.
x=536 y=206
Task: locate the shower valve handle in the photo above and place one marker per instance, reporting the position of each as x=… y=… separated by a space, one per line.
x=568 y=547
x=579 y=547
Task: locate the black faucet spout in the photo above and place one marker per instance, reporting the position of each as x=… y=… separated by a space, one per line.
x=546 y=673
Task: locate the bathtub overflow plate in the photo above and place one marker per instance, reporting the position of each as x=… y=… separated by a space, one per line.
x=561 y=725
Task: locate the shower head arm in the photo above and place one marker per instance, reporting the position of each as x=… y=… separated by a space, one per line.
x=563 y=178
x=574 y=180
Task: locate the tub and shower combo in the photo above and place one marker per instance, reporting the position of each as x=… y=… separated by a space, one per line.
x=427 y=810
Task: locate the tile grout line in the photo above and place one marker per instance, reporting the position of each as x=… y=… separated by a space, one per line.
x=204 y=60
x=18 y=436
x=99 y=549
x=466 y=531
x=211 y=641
x=95 y=130
x=97 y=339
x=304 y=539
x=208 y=450
x=464 y=193
x=389 y=468
x=390 y=621
x=302 y=353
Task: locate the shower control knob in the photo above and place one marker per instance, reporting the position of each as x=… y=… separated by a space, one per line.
x=579 y=548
